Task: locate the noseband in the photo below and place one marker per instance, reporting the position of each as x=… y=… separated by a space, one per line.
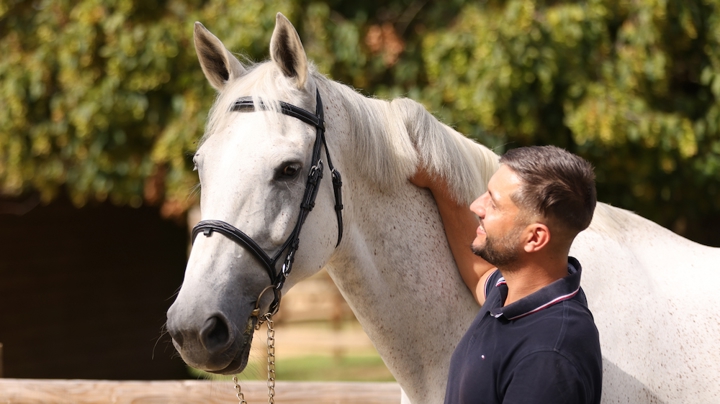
x=277 y=280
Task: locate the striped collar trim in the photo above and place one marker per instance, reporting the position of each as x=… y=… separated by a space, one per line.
x=487 y=282
x=558 y=291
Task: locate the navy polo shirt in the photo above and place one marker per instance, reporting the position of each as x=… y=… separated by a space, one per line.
x=543 y=348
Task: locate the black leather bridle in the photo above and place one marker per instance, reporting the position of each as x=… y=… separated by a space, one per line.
x=277 y=280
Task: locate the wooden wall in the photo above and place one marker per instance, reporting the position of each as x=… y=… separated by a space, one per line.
x=83 y=292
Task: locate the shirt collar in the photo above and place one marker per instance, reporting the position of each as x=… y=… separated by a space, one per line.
x=558 y=291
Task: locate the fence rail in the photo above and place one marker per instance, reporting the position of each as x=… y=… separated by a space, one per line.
x=40 y=391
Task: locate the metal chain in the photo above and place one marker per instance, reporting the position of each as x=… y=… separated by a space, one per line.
x=270 y=359
x=270 y=362
x=240 y=396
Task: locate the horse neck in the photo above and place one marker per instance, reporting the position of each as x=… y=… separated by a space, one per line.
x=398 y=275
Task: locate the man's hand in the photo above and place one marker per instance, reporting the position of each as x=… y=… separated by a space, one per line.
x=436 y=184
x=421 y=178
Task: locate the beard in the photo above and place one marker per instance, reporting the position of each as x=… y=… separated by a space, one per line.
x=501 y=251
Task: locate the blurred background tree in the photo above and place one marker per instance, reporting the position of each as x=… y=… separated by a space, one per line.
x=105 y=99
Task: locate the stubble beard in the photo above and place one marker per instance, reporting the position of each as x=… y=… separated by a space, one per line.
x=501 y=252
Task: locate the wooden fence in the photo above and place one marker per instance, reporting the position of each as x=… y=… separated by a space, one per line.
x=38 y=391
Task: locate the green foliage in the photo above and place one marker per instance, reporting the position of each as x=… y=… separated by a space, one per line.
x=632 y=86
x=105 y=98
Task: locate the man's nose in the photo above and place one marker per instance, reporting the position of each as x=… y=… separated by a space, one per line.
x=478 y=207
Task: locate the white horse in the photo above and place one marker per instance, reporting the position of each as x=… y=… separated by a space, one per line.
x=653 y=293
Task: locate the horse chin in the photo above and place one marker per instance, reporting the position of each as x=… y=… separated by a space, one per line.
x=236 y=366
x=240 y=361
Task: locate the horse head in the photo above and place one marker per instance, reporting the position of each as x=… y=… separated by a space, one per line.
x=255 y=165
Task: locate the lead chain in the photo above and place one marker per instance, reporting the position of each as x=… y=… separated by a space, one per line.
x=240 y=395
x=270 y=359
x=270 y=363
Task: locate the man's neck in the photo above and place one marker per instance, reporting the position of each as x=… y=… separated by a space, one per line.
x=531 y=277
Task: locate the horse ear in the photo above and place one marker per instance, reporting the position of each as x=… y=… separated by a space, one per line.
x=218 y=64
x=287 y=51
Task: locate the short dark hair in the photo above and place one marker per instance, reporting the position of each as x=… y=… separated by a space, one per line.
x=556 y=184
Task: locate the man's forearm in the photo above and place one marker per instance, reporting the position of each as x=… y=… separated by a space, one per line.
x=460 y=228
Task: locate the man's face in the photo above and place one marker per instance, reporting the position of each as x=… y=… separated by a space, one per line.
x=498 y=235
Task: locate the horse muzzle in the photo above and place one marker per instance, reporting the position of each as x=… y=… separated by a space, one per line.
x=213 y=344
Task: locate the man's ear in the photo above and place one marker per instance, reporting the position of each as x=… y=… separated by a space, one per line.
x=537 y=237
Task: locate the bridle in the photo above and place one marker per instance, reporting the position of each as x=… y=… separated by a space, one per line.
x=277 y=280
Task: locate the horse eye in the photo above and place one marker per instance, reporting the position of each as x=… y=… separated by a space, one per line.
x=291 y=170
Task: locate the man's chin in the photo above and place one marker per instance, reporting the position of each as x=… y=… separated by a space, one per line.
x=478 y=249
x=483 y=252
x=477 y=244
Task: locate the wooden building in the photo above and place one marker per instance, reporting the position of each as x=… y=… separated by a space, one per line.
x=84 y=292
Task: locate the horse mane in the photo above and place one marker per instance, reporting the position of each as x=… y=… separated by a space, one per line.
x=463 y=163
x=391 y=137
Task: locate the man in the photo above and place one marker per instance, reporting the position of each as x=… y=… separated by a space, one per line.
x=534 y=339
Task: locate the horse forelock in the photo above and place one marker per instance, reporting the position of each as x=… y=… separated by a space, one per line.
x=263 y=81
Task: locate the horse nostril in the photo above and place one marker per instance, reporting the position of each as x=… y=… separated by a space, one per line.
x=174 y=332
x=177 y=337
x=215 y=334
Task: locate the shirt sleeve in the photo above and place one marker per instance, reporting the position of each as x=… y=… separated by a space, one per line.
x=545 y=377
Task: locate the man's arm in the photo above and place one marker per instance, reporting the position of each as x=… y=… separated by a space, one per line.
x=460 y=229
